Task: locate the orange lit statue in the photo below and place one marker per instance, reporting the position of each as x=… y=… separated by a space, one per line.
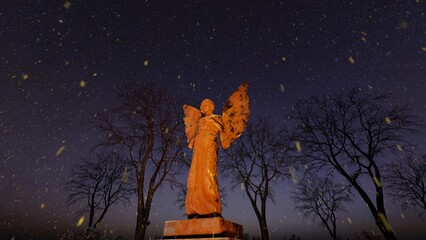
x=201 y=129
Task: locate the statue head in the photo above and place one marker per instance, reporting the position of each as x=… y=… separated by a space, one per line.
x=207 y=107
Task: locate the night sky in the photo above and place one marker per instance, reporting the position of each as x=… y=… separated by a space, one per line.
x=62 y=60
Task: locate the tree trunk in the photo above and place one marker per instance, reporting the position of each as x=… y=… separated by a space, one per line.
x=333 y=222
x=263 y=224
x=384 y=226
x=141 y=226
x=261 y=215
x=378 y=213
x=100 y=217
x=263 y=229
x=382 y=221
x=143 y=209
x=389 y=236
x=91 y=216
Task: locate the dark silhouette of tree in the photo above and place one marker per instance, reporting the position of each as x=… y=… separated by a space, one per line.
x=369 y=236
x=406 y=181
x=320 y=197
x=294 y=237
x=365 y=235
x=256 y=162
x=147 y=124
x=99 y=182
x=349 y=133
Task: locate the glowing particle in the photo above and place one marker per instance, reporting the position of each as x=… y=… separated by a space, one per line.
x=399 y=147
x=363 y=37
x=67 y=4
x=282 y=87
x=377 y=182
x=386 y=224
x=423 y=49
x=43 y=205
x=145 y=63
x=349 y=220
x=60 y=150
x=293 y=175
x=388 y=120
x=95 y=74
x=82 y=83
x=351 y=60
x=298 y=146
x=125 y=175
x=80 y=221
x=403 y=25
x=284 y=59
x=25 y=76
x=402 y=216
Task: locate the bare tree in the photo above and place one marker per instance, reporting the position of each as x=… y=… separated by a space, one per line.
x=349 y=133
x=256 y=162
x=99 y=182
x=319 y=197
x=147 y=125
x=406 y=181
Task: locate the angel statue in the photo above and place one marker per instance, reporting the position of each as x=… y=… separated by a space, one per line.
x=201 y=129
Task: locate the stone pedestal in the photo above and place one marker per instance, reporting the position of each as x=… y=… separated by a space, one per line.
x=202 y=228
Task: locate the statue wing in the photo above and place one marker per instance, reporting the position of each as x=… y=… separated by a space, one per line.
x=235 y=115
x=191 y=118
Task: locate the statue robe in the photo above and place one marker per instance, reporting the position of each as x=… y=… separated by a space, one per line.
x=203 y=196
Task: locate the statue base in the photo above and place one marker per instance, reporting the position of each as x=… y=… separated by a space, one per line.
x=202 y=228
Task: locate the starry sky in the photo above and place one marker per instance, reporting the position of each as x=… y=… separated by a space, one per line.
x=62 y=60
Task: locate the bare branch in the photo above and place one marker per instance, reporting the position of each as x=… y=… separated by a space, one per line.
x=406 y=181
x=349 y=132
x=101 y=181
x=257 y=161
x=318 y=197
x=147 y=124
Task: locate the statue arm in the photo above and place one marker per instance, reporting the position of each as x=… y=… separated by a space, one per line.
x=217 y=120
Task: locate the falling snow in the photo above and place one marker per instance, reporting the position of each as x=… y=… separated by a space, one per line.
x=61 y=61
